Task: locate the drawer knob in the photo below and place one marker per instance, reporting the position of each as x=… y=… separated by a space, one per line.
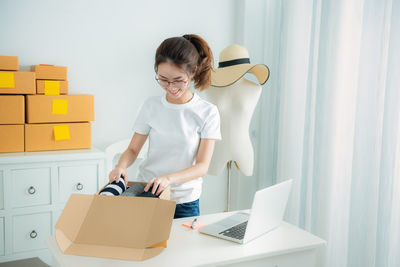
x=33 y=234
x=79 y=186
x=31 y=190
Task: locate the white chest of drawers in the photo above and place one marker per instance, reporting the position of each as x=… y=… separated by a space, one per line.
x=34 y=187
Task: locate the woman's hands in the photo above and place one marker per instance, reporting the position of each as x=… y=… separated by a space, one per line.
x=117 y=173
x=200 y=169
x=158 y=183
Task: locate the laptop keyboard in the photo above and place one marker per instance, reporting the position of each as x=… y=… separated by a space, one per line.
x=236 y=231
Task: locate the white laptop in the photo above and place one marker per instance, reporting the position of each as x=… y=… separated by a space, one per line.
x=266 y=214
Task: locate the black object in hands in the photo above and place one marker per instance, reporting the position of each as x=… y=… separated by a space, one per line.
x=116 y=189
x=133 y=190
x=147 y=194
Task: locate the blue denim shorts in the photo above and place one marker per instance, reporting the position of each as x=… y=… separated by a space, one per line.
x=188 y=209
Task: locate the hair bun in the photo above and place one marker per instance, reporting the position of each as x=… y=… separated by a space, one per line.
x=187 y=37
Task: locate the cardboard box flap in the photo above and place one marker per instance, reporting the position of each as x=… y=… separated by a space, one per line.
x=162 y=222
x=62 y=240
x=113 y=252
x=102 y=225
x=166 y=194
x=73 y=215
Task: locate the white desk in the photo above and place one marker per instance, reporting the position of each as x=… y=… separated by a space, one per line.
x=284 y=246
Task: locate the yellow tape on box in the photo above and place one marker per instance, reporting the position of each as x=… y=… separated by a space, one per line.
x=61 y=132
x=60 y=106
x=7 y=80
x=52 y=87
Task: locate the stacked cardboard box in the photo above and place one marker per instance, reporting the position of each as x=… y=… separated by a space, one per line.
x=13 y=86
x=56 y=120
x=36 y=112
x=51 y=80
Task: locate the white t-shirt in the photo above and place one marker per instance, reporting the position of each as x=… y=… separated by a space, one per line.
x=174 y=132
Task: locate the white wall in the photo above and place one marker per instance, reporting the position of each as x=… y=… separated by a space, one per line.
x=109 y=49
x=108 y=46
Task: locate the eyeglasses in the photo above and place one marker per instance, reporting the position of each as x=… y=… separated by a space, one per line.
x=176 y=84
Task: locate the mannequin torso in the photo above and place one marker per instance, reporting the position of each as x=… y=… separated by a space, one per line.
x=236 y=104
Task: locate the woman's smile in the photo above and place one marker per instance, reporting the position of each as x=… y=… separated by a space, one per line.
x=174 y=92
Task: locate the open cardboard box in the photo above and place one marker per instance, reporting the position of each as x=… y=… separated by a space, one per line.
x=119 y=227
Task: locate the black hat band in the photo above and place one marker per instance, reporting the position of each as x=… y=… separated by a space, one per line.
x=238 y=61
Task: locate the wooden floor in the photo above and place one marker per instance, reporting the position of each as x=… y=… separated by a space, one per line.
x=32 y=262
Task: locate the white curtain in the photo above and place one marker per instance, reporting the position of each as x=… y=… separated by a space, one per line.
x=334 y=96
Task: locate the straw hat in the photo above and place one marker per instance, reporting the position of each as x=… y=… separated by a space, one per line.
x=234 y=62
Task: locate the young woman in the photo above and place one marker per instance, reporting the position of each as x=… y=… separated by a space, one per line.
x=181 y=127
